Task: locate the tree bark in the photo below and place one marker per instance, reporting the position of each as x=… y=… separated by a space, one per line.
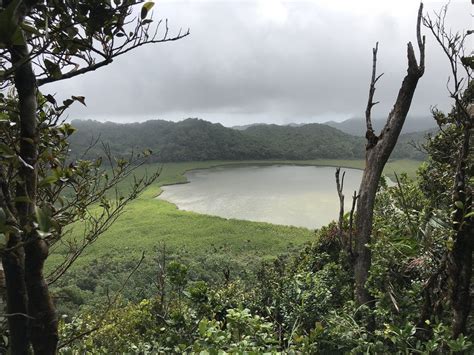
x=14 y=269
x=43 y=325
x=378 y=150
x=13 y=262
x=363 y=225
x=461 y=274
x=460 y=257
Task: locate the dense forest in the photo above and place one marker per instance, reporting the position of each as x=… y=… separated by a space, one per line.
x=196 y=139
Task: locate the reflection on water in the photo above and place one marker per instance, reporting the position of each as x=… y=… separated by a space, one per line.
x=303 y=196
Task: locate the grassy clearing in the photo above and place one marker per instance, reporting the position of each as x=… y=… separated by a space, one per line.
x=147 y=222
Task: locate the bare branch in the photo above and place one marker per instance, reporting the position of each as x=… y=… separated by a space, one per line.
x=351 y=220
x=370 y=135
x=421 y=40
x=340 y=186
x=404 y=204
x=109 y=60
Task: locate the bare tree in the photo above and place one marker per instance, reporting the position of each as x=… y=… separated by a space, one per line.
x=345 y=239
x=340 y=193
x=378 y=150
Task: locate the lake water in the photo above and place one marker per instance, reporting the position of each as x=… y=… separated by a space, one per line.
x=303 y=196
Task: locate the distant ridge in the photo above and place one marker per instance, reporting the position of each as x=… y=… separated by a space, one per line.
x=195 y=139
x=356 y=126
x=244 y=127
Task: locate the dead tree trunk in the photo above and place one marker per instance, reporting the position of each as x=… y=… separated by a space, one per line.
x=340 y=193
x=378 y=150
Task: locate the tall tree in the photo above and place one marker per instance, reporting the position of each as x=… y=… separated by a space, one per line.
x=378 y=150
x=43 y=42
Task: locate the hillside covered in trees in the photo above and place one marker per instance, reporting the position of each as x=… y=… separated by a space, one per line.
x=196 y=139
x=356 y=125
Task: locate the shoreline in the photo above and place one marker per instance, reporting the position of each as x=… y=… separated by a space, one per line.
x=357 y=164
x=183 y=178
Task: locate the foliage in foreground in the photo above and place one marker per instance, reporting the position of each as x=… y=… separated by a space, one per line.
x=300 y=302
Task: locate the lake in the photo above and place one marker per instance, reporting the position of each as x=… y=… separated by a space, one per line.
x=303 y=196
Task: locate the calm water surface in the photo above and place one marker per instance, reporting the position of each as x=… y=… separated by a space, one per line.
x=303 y=196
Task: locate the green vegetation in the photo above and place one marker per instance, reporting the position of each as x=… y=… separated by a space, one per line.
x=199 y=140
x=207 y=244
x=301 y=301
x=149 y=221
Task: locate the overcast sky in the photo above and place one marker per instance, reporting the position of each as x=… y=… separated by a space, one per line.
x=268 y=61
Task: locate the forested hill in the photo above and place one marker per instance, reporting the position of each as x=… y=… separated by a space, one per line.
x=196 y=139
x=356 y=126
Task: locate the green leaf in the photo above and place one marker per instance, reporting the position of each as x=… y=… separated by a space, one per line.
x=43 y=217
x=81 y=99
x=469 y=215
x=459 y=204
x=67 y=129
x=50 y=98
x=8 y=27
x=48 y=180
x=6 y=151
x=68 y=102
x=146 y=8
x=3 y=240
x=53 y=69
x=28 y=27
x=437 y=222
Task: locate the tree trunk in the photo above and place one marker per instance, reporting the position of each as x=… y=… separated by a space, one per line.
x=460 y=257
x=44 y=326
x=13 y=262
x=461 y=273
x=363 y=223
x=44 y=334
x=13 y=267
x=378 y=150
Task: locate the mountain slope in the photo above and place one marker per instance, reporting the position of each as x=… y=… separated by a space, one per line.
x=310 y=141
x=356 y=126
x=195 y=140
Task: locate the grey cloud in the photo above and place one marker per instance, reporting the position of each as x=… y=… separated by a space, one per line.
x=238 y=68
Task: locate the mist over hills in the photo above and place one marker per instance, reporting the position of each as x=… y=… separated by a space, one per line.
x=196 y=140
x=356 y=126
